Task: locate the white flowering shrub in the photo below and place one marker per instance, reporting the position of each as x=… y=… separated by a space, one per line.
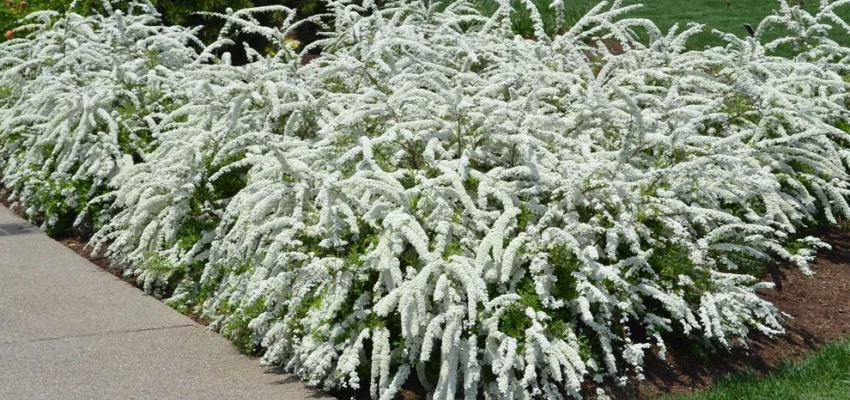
x=169 y=206
x=439 y=199
x=80 y=95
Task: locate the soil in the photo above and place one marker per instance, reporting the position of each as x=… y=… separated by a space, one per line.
x=80 y=247
x=819 y=306
x=614 y=47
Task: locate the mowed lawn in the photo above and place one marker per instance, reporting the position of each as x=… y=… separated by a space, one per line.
x=824 y=376
x=715 y=14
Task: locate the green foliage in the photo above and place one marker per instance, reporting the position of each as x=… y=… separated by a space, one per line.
x=471 y=185
x=669 y=261
x=565 y=264
x=514 y=322
x=161 y=275
x=237 y=328
x=521 y=20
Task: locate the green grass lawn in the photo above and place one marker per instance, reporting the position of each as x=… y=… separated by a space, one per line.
x=715 y=14
x=824 y=376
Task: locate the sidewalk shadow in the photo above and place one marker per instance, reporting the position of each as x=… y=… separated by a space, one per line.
x=16 y=229
x=288 y=379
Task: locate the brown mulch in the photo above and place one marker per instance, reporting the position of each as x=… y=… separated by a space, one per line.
x=614 y=47
x=80 y=247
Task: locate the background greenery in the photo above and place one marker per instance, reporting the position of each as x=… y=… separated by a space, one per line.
x=724 y=15
x=178 y=12
x=13 y=10
x=174 y=12
x=183 y=12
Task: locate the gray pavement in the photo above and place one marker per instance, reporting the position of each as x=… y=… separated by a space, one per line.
x=69 y=330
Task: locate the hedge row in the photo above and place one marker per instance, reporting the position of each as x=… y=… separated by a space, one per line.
x=436 y=198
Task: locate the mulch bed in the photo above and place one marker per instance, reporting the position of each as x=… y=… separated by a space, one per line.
x=819 y=305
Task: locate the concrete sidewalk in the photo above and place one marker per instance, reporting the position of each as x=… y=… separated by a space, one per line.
x=69 y=330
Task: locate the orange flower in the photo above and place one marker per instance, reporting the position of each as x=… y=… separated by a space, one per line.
x=10 y=35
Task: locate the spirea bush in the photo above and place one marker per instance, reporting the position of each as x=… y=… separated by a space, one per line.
x=79 y=98
x=436 y=198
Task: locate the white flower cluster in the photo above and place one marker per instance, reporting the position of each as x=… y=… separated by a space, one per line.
x=79 y=98
x=435 y=197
